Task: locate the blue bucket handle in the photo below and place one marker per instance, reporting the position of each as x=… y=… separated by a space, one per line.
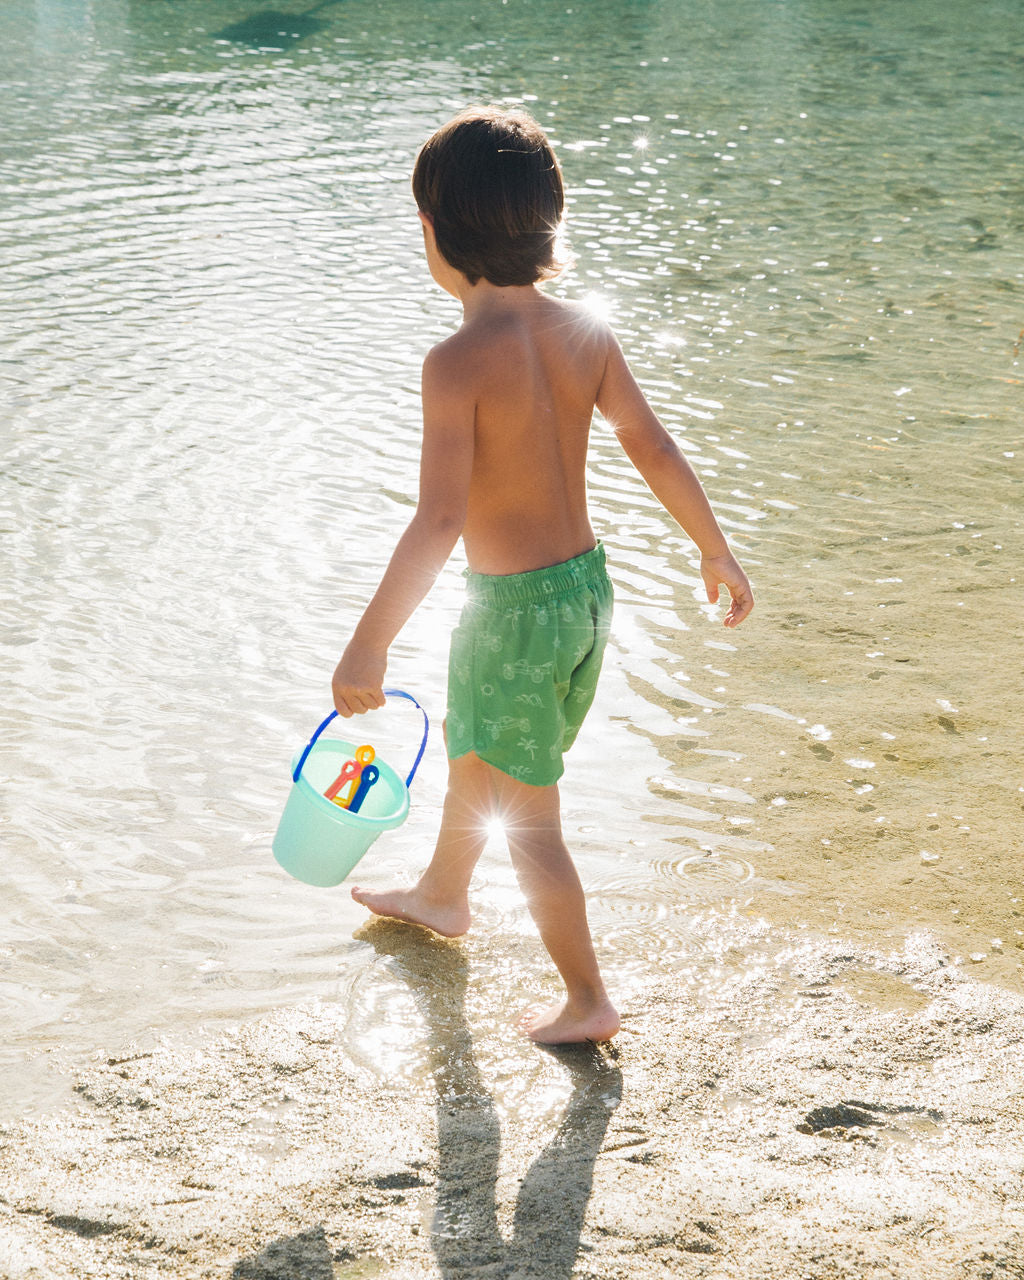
x=388 y=693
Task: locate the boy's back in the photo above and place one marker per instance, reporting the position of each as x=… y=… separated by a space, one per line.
x=531 y=369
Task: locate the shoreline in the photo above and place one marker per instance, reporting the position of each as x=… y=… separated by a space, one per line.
x=825 y=1109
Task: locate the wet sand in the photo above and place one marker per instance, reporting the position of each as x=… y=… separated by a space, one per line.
x=832 y=1111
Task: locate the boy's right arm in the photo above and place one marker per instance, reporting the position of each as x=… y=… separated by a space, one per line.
x=672 y=480
x=446 y=463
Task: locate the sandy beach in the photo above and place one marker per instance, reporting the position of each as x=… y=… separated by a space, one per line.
x=834 y=1112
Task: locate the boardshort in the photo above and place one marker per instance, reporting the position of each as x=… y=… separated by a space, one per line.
x=524 y=663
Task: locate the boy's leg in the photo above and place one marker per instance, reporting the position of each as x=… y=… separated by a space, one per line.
x=546 y=874
x=554 y=895
x=439 y=900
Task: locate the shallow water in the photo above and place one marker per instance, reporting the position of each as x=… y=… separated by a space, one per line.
x=805 y=221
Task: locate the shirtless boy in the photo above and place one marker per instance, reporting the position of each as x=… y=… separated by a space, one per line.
x=507 y=406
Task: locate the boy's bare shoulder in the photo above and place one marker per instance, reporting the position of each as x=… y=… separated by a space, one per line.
x=458 y=367
x=578 y=317
x=450 y=350
x=445 y=365
x=581 y=327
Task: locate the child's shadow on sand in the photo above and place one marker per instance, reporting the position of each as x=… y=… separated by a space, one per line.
x=553 y=1197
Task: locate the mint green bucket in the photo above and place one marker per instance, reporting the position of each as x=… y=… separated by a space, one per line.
x=317 y=841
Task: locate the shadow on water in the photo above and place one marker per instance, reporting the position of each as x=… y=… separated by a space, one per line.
x=553 y=1197
x=272 y=29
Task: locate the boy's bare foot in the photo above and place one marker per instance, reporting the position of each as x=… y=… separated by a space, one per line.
x=411 y=906
x=564 y=1024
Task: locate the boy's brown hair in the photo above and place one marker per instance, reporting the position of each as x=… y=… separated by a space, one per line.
x=491 y=185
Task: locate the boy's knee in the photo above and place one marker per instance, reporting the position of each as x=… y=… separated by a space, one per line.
x=532 y=822
x=470 y=777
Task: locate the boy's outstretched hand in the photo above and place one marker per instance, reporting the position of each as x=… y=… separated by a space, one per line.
x=725 y=568
x=358 y=682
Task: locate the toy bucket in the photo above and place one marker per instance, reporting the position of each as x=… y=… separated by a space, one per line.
x=317 y=841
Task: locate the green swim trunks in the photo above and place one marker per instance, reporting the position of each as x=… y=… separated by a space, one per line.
x=524 y=663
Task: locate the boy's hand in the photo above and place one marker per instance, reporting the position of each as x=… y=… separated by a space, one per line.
x=725 y=568
x=358 y=682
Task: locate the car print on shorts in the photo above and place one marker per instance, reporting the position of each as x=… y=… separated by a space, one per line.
x=536 y=672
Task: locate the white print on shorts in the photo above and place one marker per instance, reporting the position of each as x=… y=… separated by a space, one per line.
x=521 y=667
x=497 y=727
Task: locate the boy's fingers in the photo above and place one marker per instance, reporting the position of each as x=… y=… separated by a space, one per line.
x=740 y=607
x=710 y=586
x=346 y=703
x=356 y=702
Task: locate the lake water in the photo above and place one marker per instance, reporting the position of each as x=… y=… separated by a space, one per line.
x=806 y=221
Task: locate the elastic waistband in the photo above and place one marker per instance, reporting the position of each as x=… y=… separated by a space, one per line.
x=536 y=585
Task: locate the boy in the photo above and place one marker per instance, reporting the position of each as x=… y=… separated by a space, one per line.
x=507 y=406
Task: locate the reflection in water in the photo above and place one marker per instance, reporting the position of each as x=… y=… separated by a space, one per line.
x=553 y=1196
x=270 y=29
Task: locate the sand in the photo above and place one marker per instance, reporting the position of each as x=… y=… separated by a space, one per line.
x=828 y=1111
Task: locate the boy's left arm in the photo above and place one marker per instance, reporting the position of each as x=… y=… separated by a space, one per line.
x=673 y=482
x=446 y=464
